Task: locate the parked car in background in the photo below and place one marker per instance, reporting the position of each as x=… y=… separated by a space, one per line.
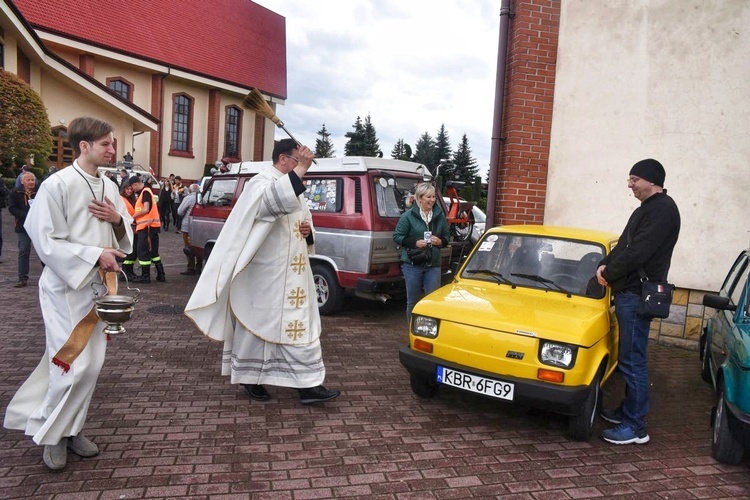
x=524 y=321
x=725 y=356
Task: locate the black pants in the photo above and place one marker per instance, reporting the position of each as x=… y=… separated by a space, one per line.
x=147 y=241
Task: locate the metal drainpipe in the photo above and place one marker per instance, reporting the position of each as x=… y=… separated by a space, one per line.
x=502 y=56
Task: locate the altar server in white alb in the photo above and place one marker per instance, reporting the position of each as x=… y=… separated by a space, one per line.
x=257 y=293
x=79 y=226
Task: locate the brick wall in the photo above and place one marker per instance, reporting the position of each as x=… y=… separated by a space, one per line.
x=213 y=145
x=154 y=149
x=86 y=63
x=527 y=120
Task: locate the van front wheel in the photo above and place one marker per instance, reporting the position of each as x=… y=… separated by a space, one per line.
x=330 y=294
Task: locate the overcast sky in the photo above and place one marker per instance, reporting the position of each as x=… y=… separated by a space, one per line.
x=411 y=65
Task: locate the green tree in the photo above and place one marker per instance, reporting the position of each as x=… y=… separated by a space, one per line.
x=465 y=165
x=443 y=151
x=323 y=145
x=355 y=145
x=401 y=151
x=24 y=124
x=372 y=148
x=425 y=152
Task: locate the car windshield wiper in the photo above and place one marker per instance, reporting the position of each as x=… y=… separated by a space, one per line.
x=541 y=279
x=498 y=277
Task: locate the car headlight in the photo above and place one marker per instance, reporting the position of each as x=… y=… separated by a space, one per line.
x=422 y=326
x=554 y=354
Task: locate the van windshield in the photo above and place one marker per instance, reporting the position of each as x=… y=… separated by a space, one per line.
x=391 y=193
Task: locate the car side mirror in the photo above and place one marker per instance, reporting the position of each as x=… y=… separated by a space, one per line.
x=718 y=302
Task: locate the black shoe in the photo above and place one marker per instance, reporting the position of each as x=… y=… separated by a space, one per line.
x=317 y=395
x=257 y=392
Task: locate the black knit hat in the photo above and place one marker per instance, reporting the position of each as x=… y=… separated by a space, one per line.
x=650 y=170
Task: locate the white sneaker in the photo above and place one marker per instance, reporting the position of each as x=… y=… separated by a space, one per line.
x=55 y=456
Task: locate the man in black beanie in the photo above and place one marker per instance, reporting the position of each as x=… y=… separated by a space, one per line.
x=646 y=242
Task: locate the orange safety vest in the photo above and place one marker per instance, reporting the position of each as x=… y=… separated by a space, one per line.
x=129 y=206
x=146 y=220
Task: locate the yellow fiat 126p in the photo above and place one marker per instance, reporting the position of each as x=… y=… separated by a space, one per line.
x=524 y=321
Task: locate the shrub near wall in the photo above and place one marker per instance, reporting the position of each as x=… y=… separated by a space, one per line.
x=24 y=124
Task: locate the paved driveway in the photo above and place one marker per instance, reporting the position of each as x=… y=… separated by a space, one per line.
x=169 y=426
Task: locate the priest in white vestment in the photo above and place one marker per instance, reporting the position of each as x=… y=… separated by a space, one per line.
x=257 y=294
x=79 y=226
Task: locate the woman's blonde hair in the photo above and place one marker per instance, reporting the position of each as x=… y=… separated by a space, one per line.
x=423 y=189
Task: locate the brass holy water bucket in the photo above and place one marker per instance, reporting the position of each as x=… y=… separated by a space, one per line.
x=115 y=310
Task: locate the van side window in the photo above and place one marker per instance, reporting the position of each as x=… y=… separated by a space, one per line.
x=323 y=195
x=220 y=192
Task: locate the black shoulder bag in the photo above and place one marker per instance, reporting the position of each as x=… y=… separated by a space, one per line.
x=656 y=297
x=420 y=256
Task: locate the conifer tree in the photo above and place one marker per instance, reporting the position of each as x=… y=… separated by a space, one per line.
x=401 y=151
x=465 y=164
x=355 y=145
x=443 y=151
x=323 y=145
x=371 y=146
x=425 y=152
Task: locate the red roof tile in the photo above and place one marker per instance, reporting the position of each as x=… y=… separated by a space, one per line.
x=236 y=41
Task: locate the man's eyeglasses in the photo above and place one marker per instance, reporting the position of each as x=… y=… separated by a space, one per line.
x=633 y=179
x=293 y=158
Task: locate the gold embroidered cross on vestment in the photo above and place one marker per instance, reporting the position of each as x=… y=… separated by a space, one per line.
x=297 y=297
x=299 y=263
x=295 y=330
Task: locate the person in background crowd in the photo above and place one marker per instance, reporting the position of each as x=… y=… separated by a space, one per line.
x=123 y=177
x=271 y=333
x=165 y=203
x=178 y=193
x=26 y=167
x=147 y=228
x=194 y=263
x=129 y=199
x=423 y=225
x=20 y=203
x=50 y=172
x=646 y=243
x=79 y=227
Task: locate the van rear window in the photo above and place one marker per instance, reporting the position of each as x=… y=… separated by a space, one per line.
x=323 y=195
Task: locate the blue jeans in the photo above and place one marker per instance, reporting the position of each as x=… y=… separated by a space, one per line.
x=24 y=251
x=418 y=278
x=632 y=359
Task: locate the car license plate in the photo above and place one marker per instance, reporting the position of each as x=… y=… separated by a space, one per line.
x=475 y=383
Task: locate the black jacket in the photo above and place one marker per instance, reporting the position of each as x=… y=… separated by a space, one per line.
x=648 y=241
x=18 y=205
